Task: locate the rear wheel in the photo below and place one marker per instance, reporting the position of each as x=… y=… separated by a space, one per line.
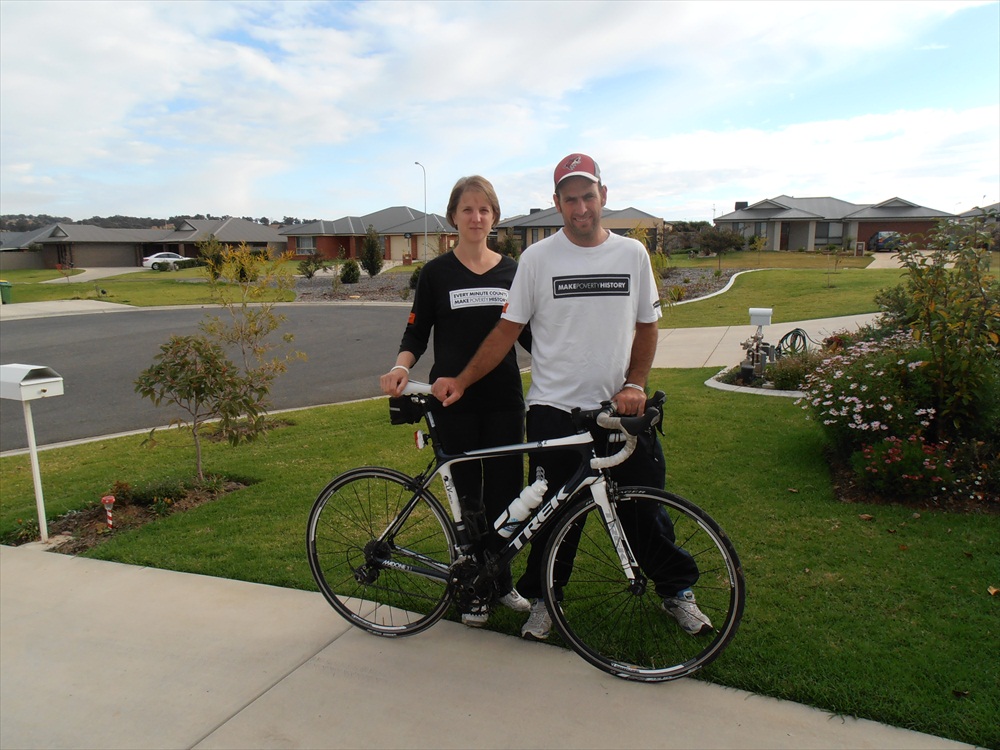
x=381 y=552
x=620 y=626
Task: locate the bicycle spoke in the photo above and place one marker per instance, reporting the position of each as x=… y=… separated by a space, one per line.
x=349 y=551
x=621 y=626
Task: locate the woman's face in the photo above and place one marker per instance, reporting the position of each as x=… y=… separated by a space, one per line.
x=473 y=216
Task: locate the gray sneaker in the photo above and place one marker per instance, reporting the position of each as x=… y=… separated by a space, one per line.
x=684 y=609
x=539 y=623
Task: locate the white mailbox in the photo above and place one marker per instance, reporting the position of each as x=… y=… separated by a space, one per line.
x=28 y=382
x=760 y=316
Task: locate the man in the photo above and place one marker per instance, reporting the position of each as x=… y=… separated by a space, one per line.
x=592 y=302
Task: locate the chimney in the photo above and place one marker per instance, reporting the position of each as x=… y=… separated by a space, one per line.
x=534 y=211
x=741 y=205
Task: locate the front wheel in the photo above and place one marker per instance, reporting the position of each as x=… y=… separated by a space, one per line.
x=621 y=626
x=380 y=551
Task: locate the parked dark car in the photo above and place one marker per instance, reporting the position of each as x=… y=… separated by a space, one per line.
x=883 y=242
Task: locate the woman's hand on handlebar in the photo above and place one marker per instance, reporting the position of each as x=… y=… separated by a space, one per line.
x=392 y=382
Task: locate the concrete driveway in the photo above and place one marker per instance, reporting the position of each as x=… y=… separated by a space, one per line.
x=92 y=274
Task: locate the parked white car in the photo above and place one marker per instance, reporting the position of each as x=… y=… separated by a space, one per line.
x=162 y=261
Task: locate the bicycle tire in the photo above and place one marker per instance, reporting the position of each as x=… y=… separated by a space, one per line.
x=349 y=562
x=623 y=629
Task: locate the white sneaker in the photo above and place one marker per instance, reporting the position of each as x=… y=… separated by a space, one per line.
x=513 y=600
x=539 y=623
x=684 y=609
x=478 y=617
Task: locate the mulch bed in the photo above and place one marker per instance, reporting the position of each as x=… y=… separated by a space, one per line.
x=79 y=531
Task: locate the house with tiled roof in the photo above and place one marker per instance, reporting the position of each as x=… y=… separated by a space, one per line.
x=789 y=223
x=87 y=246
x=540 y=223
x=401 y=231
x=187 y=233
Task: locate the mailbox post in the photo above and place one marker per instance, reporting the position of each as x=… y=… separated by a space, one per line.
x=25 y=383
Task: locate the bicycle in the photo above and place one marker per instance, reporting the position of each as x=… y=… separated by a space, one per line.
x=390 y=559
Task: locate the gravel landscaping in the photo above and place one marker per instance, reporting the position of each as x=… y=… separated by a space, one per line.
x=395 y=286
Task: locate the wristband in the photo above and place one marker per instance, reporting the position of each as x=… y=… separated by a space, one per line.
x=634 y=385
x=400 y=367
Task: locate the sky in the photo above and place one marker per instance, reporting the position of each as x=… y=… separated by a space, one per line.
x=320 y=110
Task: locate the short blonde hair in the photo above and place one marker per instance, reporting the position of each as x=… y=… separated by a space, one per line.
x=475 y=182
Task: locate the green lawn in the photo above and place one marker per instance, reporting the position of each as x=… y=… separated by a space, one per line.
x=140 y=289
x=888 y=619
x=800 y=294
x=745 y=260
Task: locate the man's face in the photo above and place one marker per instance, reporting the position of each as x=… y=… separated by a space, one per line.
x=580 y=202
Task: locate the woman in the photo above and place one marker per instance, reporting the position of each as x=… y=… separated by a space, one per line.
x=460 y=295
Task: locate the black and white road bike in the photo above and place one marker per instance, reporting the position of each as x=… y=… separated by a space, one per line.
x=391 y=560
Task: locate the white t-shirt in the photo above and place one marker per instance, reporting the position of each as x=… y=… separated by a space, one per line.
x=583 y=304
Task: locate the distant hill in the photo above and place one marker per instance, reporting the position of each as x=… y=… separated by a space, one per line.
x=28 y=222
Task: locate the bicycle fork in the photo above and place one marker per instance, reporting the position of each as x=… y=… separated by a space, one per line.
x=599 y=491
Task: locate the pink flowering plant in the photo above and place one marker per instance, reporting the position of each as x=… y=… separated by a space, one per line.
x=912 y=404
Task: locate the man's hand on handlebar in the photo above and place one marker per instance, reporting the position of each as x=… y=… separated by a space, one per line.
x=629 y=401
x=447 y=391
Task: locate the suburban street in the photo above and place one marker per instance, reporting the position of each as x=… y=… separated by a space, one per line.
x=100 y=355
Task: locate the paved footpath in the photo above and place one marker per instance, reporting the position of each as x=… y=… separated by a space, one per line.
x=103 y=655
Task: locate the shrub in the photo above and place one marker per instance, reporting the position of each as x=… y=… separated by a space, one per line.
x=507 y=245
x=720 y=240
x=789 y=372
x=913 y=467
x=312 y=265
x=371 y=253
x=415 y=277
x=351 y=272
x=869 y=388
x=955 y=311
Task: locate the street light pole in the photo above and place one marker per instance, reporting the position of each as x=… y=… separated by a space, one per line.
x=425 y=209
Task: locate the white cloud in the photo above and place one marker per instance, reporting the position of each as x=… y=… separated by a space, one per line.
x=291 y=98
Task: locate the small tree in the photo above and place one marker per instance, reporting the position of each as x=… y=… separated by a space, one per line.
x=211 y=250
x=509 y=245
x=371 y=252
x=955 y=312
x=194 y=373
x=249 y=286
x=718 y=241
x=640 y=233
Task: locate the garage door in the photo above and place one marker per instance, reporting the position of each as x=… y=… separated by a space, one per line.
x=105 y=256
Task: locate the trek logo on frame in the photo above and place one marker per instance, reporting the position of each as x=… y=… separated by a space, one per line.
x=601 y=285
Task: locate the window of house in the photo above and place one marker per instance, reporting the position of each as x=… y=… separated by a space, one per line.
x=829 y=232
x=760 y=229
x=305 y=245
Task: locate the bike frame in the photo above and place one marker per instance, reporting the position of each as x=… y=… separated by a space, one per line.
x=586 y=476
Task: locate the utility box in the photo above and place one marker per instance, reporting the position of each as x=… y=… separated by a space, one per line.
x=760 y=316
x=29 y=382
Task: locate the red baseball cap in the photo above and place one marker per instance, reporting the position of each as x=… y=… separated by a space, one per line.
x=577 y=165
